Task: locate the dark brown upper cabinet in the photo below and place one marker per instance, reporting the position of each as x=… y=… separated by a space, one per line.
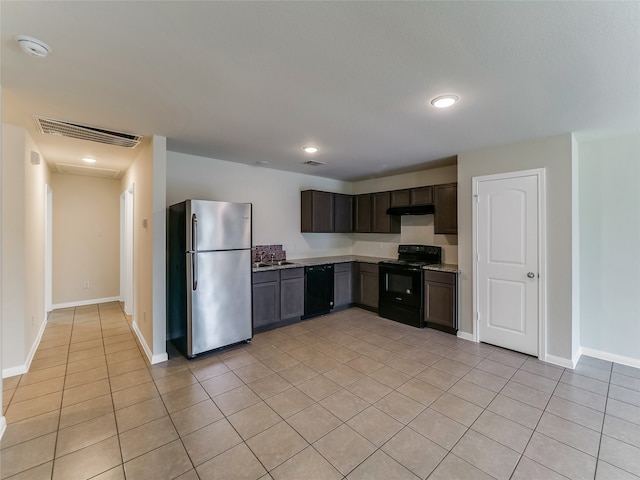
x=401 y=198
x=381 y=222
x=342 y=213
x=445 y=199
x=316 y=211
x=412 y=196
x=362 y=215
x=421 y=196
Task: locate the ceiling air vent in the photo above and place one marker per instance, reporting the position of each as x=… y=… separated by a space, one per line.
x=91 y=171
x=314 y=163
x=86 y=132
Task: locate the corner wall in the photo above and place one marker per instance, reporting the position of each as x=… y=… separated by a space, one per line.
x=23 y=248
x=609 y=247
x=554 y=154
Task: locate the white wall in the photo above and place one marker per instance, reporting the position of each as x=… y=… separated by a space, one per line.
x=275 y=196
x=555 y=155
x=86 y=239
x=23 y=247
x=610 y=248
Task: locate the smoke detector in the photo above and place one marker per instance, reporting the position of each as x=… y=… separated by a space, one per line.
x=33 y=46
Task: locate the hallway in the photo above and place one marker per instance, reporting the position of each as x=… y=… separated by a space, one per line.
x=347 y=395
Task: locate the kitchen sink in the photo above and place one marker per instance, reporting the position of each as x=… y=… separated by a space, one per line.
x=276 y=263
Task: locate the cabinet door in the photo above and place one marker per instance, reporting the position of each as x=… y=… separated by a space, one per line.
x=400 y=198
x=422 y=196
x=363 y=213
x=381 y=222
x=343 y=284
x=316 y=211
x=292 y=297
x=440 y=301
x=368 y=287
x=266 y=303
x=446 y=208
x=342 y=213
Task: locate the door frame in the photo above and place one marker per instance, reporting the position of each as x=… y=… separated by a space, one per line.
x=126 y=248
x=48 y=249
x=542 y=250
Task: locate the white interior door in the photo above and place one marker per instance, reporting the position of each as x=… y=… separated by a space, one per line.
x=507 y=262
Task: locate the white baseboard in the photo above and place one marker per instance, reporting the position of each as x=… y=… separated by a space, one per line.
x=82 y=303
x=465 y=336
x=24 y=368
x=611 y=357
x=561 y=361
x=163 y=357
x=3 y=426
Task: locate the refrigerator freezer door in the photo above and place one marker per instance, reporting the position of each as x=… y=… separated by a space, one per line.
x=218 y=225
x=221 y=302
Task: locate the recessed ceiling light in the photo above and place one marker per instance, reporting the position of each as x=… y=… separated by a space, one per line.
x=88 y=159
x=33 y=46
x=310 y=149
x=444 y=101
x=262 y=162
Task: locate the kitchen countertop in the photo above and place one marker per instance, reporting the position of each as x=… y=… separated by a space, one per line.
x=305 y=262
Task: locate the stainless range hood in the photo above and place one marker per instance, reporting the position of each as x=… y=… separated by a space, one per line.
x=411 y=210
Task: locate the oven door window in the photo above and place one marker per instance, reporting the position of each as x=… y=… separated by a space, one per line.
x=399 y=283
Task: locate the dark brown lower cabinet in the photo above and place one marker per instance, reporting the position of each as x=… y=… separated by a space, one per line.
x=343 y=284
x=278 y=297
x=367 y=286
x=440 y=301
x=291 y=293
x=266 y=298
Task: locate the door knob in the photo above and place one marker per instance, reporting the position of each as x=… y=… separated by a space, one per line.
x=531 y=275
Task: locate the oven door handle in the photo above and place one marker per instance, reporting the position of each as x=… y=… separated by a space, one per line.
x=388 y=268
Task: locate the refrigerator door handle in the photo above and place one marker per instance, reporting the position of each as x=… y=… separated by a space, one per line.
x=194 y=247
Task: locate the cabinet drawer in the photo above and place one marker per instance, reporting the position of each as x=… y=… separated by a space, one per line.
x=342 y=267
x=440 y=277
x=291 y=273
x=263 y=277
x=369 y=267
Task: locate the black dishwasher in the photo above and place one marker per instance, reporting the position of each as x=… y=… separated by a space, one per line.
x=318 y=290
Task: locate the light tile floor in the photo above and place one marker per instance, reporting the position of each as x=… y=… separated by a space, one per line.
x=347 y=395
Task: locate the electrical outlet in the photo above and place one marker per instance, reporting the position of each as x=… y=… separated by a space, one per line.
x=85 y=285
x=380 y=246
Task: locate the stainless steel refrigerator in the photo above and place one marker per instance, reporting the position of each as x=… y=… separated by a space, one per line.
x=208 y=275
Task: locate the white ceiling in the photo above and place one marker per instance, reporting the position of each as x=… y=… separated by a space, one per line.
x=255 y=81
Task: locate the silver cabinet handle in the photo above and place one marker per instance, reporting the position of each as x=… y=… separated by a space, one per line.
x=531 y=275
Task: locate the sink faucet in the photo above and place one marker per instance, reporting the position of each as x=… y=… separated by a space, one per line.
x=261 y=257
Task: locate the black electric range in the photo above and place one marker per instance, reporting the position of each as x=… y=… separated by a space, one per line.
x=401 y=286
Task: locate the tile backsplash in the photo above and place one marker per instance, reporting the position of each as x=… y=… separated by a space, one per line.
x=268 y=253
